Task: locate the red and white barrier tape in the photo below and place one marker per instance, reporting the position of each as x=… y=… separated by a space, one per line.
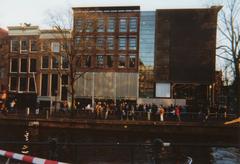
x=27 y=158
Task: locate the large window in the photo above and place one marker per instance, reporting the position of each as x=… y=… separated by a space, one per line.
x=110 y=60
x=15 y=46
x=163 y=90
x=77 y=41
x=33 y=45
x=133 y=24
x=101 y=25
x=122 y=43
x=24 y=45
x=44 y=88
x=122 y=61
x=54 y=85
x=123 y=25
x=132 y=43
x=132 y=61
x=110 y=43
x=111 y=24
x=24 y=65
x=14 y=65
x=45 y=61
x=33 y=65
x=100 y=42
x=100 y=60
x=13 y=83
x=64 y=79
x=55 y=47
x=23 y=83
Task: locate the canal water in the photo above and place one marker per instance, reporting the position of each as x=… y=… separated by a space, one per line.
x=97 y=147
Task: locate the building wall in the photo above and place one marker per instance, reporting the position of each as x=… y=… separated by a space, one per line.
x=185 y=45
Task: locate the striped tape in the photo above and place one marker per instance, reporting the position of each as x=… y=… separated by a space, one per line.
x=27 y=158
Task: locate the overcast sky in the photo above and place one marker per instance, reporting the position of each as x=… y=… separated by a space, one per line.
x=14 y=12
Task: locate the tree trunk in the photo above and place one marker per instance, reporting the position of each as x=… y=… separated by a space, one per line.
x=237 y=88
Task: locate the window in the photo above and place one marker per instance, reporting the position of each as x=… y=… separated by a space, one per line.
x=133 y=24
x=24 y=65
x=111 y=24
x=163 y=89
x=45 y=61
x=122 y=61
x=45 y=46
x=65 y=62
x=55 y=47
x=54 y=85
x=24 y=45
x=33 y=65
x=132 y=61
x=64 y=79
x=15 y=46
x=110 y=43
x=54 y=62
x=87 y=61
x=23 y=84
x=44 y=88
x=133 y=43
x=77 y=41
x=14 y=65
x=89 y=26
x=122 y=43
x=100 y=42
x=79 y=25
x=13 y=84
x=64 y=93
x=101 y=25
x=100 y=60
x=110 y=61
x=123 y=25
x=31 y=84
x=33 y=45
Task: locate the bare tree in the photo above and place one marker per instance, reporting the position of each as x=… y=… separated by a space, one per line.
x=229 y=48
x=75 y=44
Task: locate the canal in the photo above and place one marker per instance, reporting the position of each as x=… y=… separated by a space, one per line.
x=92 y=146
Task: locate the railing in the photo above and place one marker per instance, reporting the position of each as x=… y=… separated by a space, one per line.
x=116 y=115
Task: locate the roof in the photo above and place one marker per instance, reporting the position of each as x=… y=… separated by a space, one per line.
x=108 y=8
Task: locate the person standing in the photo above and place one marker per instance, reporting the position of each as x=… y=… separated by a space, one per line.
x=177 y=112
x=161 y=112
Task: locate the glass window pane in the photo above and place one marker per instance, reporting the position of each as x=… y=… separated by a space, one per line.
x=79 y=25
x=110 y=43
x=100 y=60
x=24 y=65
x=24 y=45
x=54 y=85
x=33 y=65
x=14 y=82
x=45 y=61
x=33 y=45
x=14 y=65
x=122 y=61
x=31 y=84
x=54 y=62
x=123 y=25
x=111 y=24
x=15 y=46
x=132 y=61
x=44 y=88
x=23 y=83
x=87 y=61
x=65 y=62
x=55 y=47
x=110 y=61
x=100 y=42
x=89 y=26
x=133 y=43
x=122 y=43
x=133 y=24
x=64 y=79
x=101 y=25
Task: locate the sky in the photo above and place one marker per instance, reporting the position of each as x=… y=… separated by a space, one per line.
x=14 y=12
